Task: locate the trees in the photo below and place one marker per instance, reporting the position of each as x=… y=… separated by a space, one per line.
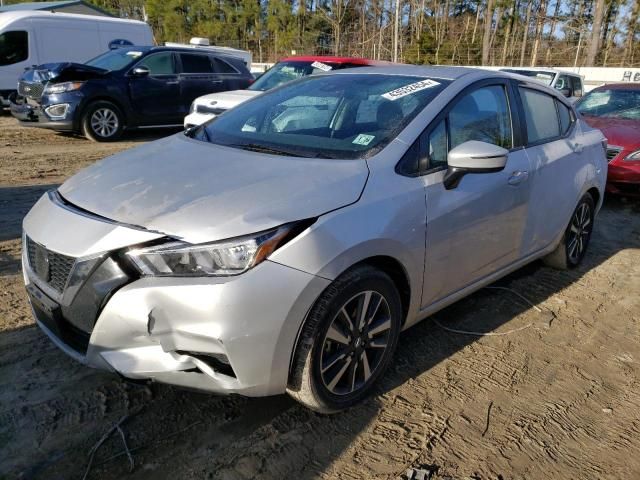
x=594 y=41
x=499 y=32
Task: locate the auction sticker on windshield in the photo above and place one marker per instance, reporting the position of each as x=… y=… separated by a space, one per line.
x=321 y=66
x=363 y=139
x=409 y=89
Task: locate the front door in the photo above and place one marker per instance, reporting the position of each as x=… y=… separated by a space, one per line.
x=156 y=97
x=476 y=228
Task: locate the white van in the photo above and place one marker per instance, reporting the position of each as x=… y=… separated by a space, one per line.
x=32 y=38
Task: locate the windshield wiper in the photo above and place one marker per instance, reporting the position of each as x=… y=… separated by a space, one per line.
x=192 y=131
x=255 y=147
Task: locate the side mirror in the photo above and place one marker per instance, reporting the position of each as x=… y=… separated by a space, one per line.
x=140 y=72
x=473 y=157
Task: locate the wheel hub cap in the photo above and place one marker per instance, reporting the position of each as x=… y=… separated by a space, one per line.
x=579 y=231
x=355 y=343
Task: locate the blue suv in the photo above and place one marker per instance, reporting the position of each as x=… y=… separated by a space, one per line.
x=125 y=88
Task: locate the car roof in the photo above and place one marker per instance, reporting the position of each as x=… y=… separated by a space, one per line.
x=8 y=17
x=185 y=49
x=534 y=69
x=443 y=72
x=619 y=86
x=328 y=58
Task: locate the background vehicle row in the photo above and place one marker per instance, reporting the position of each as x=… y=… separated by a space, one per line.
x=127 y=87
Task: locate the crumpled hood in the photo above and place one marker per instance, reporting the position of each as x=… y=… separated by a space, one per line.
x=227 y=100
x=202 y=192
x=61 y=72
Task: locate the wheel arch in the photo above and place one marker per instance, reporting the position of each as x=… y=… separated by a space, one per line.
x=394 y=268
x=103 y=98
x=595 y=194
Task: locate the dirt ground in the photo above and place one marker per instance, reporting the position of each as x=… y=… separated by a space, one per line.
x=550 y=394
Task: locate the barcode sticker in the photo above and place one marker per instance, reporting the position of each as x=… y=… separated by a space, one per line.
x=321 y=66
x=409 y=89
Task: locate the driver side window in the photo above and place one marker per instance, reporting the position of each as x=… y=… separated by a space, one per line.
x=159 y=64
x=481 y=115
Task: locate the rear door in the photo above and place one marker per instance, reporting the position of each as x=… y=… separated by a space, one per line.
x=156 y=97
x=554 y=149
x=232 y=73
x=197 y=78
x=477 y=228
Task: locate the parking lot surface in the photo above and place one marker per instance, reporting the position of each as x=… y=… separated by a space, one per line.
x=547 y=392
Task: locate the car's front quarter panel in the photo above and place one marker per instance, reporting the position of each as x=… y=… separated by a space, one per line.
x=387 y=221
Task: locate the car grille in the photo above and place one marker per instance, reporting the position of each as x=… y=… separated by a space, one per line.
x=212 y=110
x=612 y=152
x=30 y=89
x=50 y=267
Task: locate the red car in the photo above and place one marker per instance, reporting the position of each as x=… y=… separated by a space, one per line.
x=615 y=110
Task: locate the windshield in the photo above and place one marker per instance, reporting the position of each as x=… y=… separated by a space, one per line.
x=115 y=59
x=611 y=103
x=284 y=72
x=541 y=76
x=14 y=47
x=330 y=116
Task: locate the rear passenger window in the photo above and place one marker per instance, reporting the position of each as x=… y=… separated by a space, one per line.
x=481 y=115
x=159 y=64
x=565 y=117
x=221 y=66
x=194 y=63
x=540 y=114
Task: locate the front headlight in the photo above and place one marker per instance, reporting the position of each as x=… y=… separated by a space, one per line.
x=633 y=156
x=53 y=88
x=231 y=257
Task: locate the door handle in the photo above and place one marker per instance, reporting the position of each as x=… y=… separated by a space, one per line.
x=518 y=177
x=577 y=147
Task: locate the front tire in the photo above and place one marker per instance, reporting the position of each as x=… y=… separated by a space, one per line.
x=347 y=341
x=102 y=121
x=573 y=246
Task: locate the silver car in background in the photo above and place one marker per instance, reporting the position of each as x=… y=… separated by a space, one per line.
x=285 y=245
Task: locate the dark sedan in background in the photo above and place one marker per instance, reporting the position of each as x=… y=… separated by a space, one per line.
x=132 y=87
x=615 y=110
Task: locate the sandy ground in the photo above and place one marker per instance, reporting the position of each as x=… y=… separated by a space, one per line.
x=553 y=394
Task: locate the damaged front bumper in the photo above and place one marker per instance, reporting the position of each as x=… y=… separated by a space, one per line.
x=218 y=334
x=34 y=115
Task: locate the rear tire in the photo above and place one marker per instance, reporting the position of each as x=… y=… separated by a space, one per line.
x=573 y=246
x=347 y=341
x=102 y=121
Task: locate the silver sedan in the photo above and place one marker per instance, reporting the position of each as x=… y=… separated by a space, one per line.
x=284 y=245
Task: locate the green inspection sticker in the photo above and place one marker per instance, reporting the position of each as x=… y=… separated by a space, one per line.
x=363 y=139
